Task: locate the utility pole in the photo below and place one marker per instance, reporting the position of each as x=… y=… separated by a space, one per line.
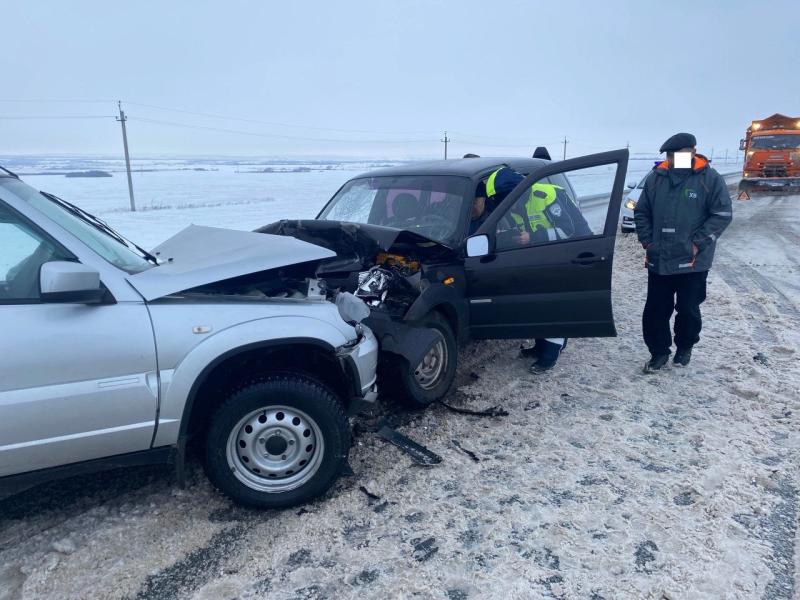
x=445 y=140
x=726 y=156
x=122 y=118
x=565 y=148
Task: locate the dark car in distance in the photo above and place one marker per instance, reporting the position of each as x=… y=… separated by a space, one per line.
x=401 y=240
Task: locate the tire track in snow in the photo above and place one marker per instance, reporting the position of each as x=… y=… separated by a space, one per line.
x=194 y=570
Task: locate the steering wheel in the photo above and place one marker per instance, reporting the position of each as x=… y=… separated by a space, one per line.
x=433 y=226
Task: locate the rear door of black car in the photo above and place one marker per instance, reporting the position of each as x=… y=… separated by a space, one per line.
x=557 y=283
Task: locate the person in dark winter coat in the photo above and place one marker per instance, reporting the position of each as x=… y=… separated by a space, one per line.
x=683 y=209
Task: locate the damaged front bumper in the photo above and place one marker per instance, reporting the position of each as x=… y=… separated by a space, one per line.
x=360 y=361
x=409 y=341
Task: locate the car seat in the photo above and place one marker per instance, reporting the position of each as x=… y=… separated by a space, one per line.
x=404 y=207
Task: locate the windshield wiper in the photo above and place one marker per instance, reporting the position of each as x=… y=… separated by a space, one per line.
x=99 y=224
x=14 y=175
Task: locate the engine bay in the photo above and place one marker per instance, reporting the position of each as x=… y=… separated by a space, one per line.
x=386 y=268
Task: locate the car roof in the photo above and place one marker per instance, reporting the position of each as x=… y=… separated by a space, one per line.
x=460 y=167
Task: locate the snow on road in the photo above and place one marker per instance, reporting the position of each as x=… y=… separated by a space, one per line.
x=602 y=482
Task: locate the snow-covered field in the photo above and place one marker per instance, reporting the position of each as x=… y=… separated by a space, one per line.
x=601 y=482
x=172 y=194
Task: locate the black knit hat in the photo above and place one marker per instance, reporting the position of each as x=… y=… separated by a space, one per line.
x=679 y=141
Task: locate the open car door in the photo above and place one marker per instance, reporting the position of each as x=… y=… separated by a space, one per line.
x=540 y=265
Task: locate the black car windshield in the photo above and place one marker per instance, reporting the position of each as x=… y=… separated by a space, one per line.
x=776 y=142
x=432 y=205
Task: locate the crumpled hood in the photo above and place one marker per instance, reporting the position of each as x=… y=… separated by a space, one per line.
x=359 y=240
x=199 y=255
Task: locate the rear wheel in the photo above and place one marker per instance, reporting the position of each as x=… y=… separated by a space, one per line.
x=277 y=443
x=428 y=381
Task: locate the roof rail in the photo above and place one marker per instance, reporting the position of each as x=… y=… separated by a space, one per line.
x=2 y=168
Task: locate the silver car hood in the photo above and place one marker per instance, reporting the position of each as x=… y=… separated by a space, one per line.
x=201 y=255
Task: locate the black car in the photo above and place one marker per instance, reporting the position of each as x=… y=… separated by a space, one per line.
x=402 y=245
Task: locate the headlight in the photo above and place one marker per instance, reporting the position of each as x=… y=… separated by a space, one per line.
x=631 y=203
x=750 y=152
x=351 y=309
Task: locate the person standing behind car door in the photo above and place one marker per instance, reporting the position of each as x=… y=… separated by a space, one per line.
x=541 y=215
x=683 y=209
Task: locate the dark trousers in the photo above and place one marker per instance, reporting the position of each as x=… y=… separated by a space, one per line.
x=682 y=293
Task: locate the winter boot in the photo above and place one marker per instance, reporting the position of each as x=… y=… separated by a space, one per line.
x=542 y=366
x=547 y=357
x=656 y=363
x=683 y=356
x=532 y=352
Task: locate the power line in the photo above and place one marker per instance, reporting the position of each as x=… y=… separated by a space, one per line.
x=37 y=117
x=271 y=123
x=44 y=101
x=215 y=116
x=499 y=141
x=273 y=135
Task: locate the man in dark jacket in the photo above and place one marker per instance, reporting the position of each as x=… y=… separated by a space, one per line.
x=683 y=209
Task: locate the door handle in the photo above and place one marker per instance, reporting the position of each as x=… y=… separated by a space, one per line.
x=588 y=259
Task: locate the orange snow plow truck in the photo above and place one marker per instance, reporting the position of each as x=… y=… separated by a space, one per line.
x=771 y=154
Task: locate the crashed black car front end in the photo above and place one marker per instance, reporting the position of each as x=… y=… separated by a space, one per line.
x=400 y=275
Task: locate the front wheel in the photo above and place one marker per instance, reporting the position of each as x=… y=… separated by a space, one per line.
x=422 y=384
x=277 y=443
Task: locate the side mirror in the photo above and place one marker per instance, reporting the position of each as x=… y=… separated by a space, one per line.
x=70 y=282
x=741 y=144
x=478 y=245
x=631 y=185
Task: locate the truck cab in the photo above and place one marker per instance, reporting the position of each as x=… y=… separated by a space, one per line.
x=771 y=154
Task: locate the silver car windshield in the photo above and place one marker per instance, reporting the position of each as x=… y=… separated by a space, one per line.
x=109 y=245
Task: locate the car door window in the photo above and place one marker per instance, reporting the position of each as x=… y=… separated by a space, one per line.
x=557 y=283
x=23 y=251
x=558 y=208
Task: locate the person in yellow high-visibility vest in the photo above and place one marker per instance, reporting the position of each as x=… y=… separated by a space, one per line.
x=546 y=214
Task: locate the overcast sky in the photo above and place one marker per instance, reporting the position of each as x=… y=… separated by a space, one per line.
x=385 y=79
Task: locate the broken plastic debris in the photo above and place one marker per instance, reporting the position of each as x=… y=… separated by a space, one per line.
x=418 y=453
x=469 y=453
x=492 y=411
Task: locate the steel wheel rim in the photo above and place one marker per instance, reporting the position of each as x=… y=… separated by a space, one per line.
x=432 y=366
x=275 y=449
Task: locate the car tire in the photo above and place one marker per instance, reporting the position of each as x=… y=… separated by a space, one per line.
x=277 y=442
x=418 y=385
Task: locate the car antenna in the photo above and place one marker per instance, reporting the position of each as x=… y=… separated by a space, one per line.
x=541 y=152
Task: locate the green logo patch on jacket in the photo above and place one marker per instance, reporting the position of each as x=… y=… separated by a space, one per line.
x=689 y=194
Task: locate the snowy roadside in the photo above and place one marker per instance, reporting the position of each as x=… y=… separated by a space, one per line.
x=600 y=483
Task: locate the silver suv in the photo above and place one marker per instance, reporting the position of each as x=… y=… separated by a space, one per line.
x=112 y=356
